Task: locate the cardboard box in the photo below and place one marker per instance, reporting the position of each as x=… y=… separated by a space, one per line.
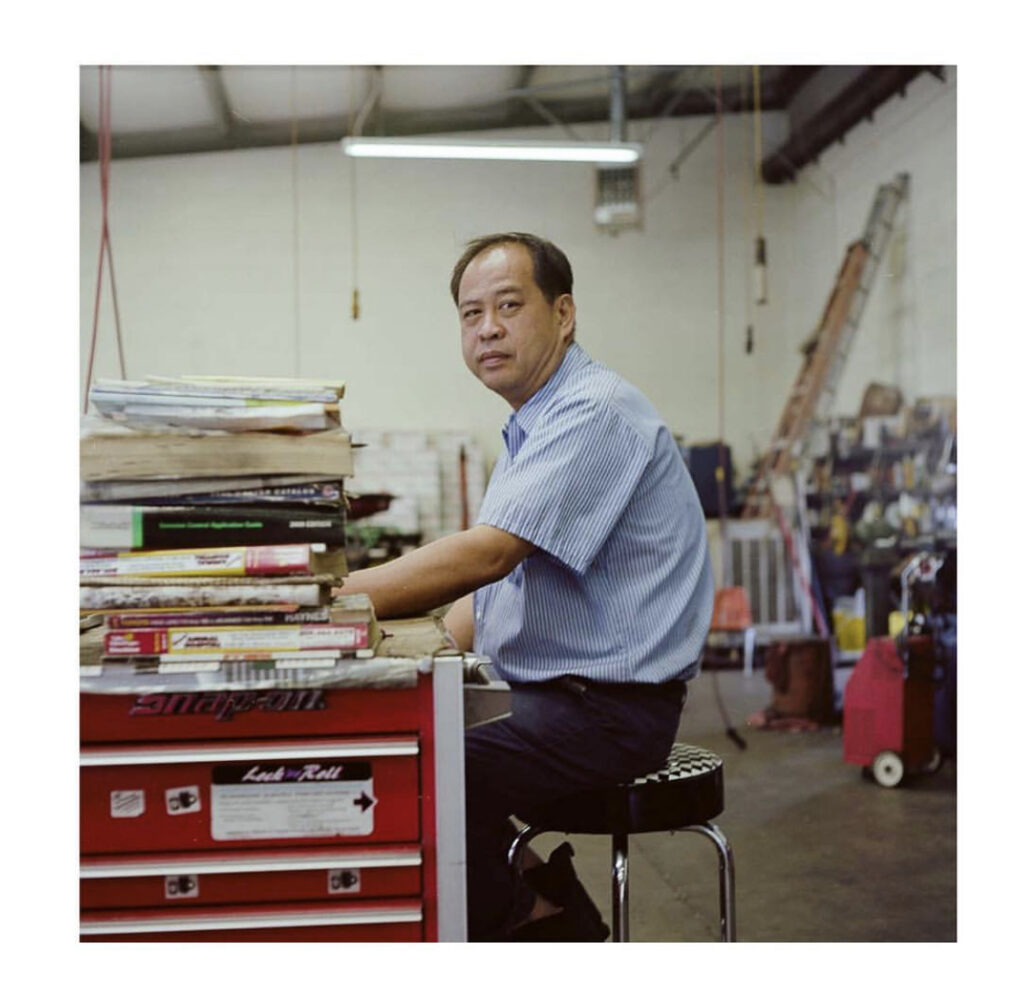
x=881 y=399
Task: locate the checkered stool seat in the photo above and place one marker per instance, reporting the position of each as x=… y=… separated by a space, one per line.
x=683 y=795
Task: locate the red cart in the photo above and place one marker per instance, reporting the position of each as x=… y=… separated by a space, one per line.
x=889 y=700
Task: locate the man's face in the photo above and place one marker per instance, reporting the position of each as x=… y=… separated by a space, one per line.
x=512 y=338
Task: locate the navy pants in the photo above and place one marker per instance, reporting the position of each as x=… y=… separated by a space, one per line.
x=563 y=737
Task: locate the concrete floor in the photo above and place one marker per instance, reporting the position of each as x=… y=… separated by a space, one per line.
x=821 y=854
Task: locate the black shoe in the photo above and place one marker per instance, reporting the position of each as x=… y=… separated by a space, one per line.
x=580 y=920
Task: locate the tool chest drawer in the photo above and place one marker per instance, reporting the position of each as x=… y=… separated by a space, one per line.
x=218 y=795
x=266 y=713
x=250 y=876
x=374 y=921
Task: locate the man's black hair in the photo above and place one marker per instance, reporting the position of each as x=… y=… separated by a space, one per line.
x=551 y=269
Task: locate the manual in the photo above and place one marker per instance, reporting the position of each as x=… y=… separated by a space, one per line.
x=109 y=451
x=161 y=527
x=212 y=392
x=350 y=609
x=255 y=641
x=274 y=383
x=283 y=559
x=253 y=416
x=155 y=490
x=100 y=595
x=326 y=495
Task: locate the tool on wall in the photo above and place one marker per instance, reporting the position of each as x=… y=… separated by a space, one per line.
x=106 y=252
x=825 y=353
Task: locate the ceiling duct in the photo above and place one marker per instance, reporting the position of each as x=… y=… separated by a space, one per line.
x=617 y=188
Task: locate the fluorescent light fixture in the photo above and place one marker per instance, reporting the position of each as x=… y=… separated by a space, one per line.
x=443 y=149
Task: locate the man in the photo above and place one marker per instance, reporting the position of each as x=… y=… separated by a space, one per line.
x=586 y=581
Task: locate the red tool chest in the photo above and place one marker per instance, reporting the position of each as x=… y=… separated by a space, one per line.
x=283 y=813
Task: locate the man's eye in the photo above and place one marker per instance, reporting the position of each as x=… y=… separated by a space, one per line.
x=470 y=314
x=509 y=305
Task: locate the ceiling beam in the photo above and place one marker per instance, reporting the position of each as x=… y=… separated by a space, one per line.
x=859 y=94
x=218 y=95
x=668 y=95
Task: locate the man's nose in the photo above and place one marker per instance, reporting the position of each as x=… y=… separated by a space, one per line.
x=492 y=326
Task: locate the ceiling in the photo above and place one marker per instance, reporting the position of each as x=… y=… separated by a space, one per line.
x=171 y=110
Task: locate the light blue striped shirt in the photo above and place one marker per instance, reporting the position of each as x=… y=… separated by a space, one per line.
x=620 y=588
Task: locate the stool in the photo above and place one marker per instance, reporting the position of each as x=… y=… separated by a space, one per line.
x=682 y=796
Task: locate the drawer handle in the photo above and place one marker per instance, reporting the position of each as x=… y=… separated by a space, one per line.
x=231 y=754
x=240 y=921
x=249 y=864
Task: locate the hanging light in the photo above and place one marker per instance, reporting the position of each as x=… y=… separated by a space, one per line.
x=432 y=149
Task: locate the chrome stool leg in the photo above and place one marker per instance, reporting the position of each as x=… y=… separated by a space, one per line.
x=620 y=887
x=726 y=877
x=519 y=845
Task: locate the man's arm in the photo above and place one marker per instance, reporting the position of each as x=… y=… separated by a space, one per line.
x=458 y=621
x=440 y=572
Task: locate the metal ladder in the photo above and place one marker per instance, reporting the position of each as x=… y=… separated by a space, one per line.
x=826 y=351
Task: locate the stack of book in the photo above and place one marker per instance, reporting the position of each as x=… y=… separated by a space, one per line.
x=212 y=527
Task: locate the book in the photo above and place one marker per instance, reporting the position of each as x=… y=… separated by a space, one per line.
x=278 y=383
x=214 y=617
x=156 y=527
x=246 y=665
x=208 y=487
x=254 y=641
x=111 y=451
x=97 y=595
x=326 y=495
x=341 y=611
x=242 y=561
x=251 y=416
x=208 y=393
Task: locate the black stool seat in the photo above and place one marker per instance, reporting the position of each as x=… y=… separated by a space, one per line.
x=687 y=790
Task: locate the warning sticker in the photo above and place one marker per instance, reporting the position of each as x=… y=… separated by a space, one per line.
x=127 y=804
x=272 y=800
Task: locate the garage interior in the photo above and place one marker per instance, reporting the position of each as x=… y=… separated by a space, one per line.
x=224 y=228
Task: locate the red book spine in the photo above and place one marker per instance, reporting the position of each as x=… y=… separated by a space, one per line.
x=285 y=558
x=291 y=638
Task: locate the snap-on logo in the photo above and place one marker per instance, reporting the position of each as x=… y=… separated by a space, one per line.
x=224 y=706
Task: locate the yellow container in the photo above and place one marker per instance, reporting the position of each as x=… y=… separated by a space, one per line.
x=896 y=623
x=851 y=631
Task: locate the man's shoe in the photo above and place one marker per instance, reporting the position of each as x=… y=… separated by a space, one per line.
x=557 y=882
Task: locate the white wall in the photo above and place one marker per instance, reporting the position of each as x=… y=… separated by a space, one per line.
x=908 y=330
x=205 y=264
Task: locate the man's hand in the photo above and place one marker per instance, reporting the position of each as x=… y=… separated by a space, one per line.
x=440 y=572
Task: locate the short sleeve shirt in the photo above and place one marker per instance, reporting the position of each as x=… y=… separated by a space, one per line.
x=620 y=586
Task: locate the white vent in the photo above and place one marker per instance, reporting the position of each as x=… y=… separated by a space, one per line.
x=617 y=205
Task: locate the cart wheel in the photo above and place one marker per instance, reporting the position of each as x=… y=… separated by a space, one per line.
x=933 y=764
x=887 y=769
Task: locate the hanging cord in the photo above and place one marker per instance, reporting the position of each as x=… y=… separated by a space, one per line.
x=730 y=730
x=720 y=184
x=105 y=247
x=355 y=126
x=296 y=269
x=749 y=194
x=760 y=245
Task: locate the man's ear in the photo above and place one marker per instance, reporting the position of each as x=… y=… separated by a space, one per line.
x=565 y=308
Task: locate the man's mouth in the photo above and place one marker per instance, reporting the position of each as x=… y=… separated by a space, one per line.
x=490 y=360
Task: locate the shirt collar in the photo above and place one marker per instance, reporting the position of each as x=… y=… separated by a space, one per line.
x=572 y=362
